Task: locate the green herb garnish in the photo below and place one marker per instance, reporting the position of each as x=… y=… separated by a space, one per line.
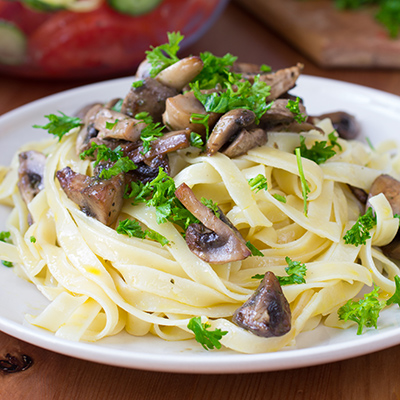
x=258 y=183
x=319 y=152
x=293 y=106
x=359 y=233
x=211 y=205
x=304 y=186
x=5 y=237
x=104 y=153
x=60 y=125
x=208 y=339
x=254 y=250
x=123 y=164
x=150 y=132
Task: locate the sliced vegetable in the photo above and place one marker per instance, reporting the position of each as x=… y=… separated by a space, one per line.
x=12 y=44
x=134 y=7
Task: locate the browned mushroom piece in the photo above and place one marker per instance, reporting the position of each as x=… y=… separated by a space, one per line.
x=148 y=170
x=345 y=124
x=279 y=115
x=179 y=74
x=115 y=125
x=267 y=312
x=30 y=174
x=179 y=110
x=98 y=198
x=167 y=143
x=230 y=124
x=360 y=194
x=88 y=130
x=390 y=187
x=214 y=240
x=282 y=80
x=149 y=97
x=245 y=141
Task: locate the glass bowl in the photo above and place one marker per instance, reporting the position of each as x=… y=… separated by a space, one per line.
x=69 y=39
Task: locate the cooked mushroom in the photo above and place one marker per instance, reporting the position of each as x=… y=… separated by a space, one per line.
x=97 y=198
x=345 y=124
x=178 y=75
x=143 y=70
x=245 y=141
x=179 y=110
x=88 y=131
x=360 y=194
x=214 y=240
x=228 y=125
x=150 y=96
x=282 y=80
x=115 y=125
x=390 y=187
x=279 y=115
x=30 y=174
x=167 y=143
x=267 y=312
x=148 y=170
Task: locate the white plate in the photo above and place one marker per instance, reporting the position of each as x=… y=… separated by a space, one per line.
x=379 y=114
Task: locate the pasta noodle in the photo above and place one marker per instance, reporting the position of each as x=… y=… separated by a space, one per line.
x=99 y=282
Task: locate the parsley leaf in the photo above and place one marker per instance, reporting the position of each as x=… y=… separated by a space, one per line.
x=208 y=339
x=364 y=312
x=60 y=125
x=237 y=94
x=163 y=56
x=319 y=152
x=296 y=272
x=359 y=232
x=279 y=197
x=160 y=193
x=123 y=164
x=304 y=186
x=196 y=140
x=211 y=205
x=32 y=239
x=396 y=296
x=258 y=183
x=254 y=250
x=201 y=119
x=293 y=106
x=5 y=237
x=104 y=153
x=132 y=228
x=150 y=132
x=216 y=70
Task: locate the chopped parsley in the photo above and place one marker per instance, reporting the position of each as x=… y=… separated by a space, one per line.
x=254 y=250
x=201 y=119
x=5 y=237
x=132 y=228
x=265 y=68
x=152 y=131
x=163 y=56
x=118 y=105
x=216 y=70
x=211 y=205
x=319 y=152
x=296 y=271
x=60 y=125
x=123 y=164
x=364 y=312
x=32 y=239
x=258 y=183
x=138 y=83
x=111 y=125
x=208 y=339
x=359 y=232
x=104 y=153
x=160 y=193
x=304 y=186
x=237 y=94
x=293 y=106
x=279 y=197
x=196 y=140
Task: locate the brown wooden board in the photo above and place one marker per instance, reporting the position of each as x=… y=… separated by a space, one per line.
x=330 y=37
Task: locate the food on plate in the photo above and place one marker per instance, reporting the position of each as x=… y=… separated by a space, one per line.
x=204 y=203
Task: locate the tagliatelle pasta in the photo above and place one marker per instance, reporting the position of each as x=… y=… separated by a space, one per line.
x=99 y=282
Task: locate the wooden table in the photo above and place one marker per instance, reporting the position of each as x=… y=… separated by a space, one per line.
x=55 y=376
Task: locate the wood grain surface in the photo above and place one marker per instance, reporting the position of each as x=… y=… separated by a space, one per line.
x=331 y=37
x=53 y=376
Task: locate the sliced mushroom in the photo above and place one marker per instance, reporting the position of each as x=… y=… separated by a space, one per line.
x=149 y=97
x=179 y=110
x=215 y=240
x=390 y=187
x=345 y=124
x=97 y=198
x=282 y=80
x=267 y=312
x=245 y=141
x=115 y=125
x=143 y=70
x=360 y=194
x=167 y=143
x=279 y=114
x=88 y=131
x=30 y=174
x=178 y=75
x=228 y=125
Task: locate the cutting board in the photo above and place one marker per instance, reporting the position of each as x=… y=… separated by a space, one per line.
x=330 y=37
